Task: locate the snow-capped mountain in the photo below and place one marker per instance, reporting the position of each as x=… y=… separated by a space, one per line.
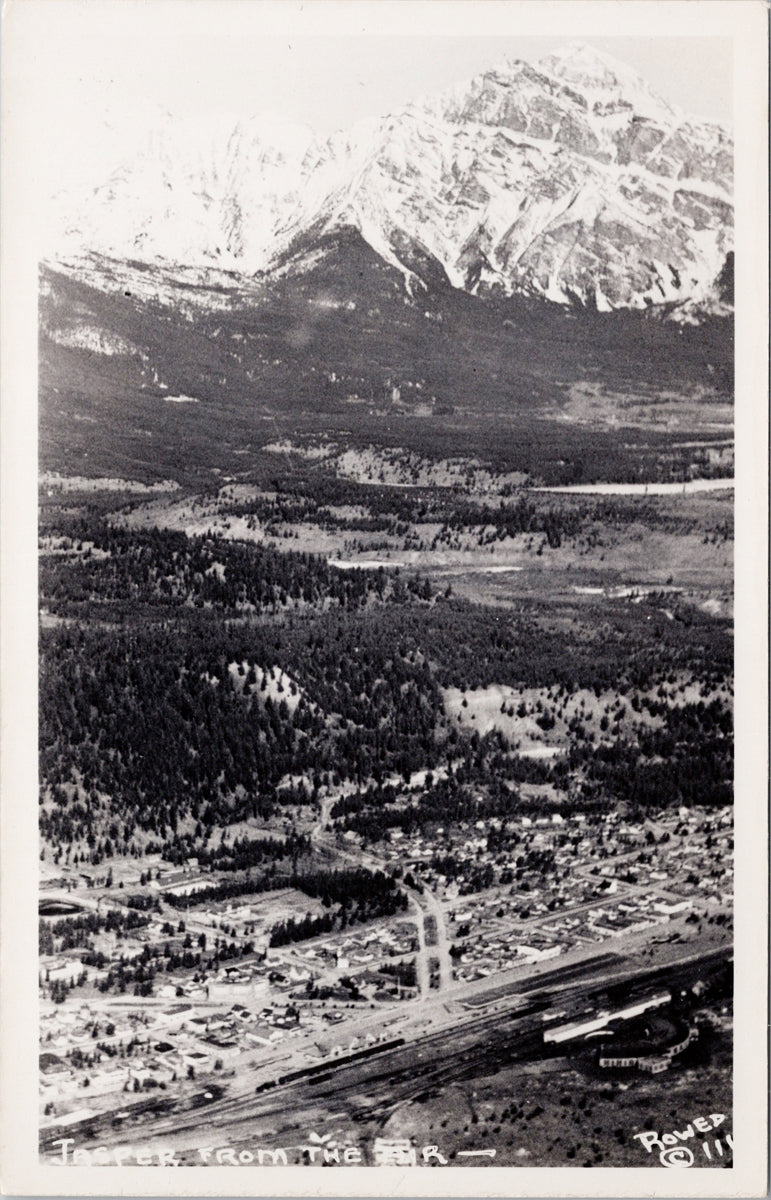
x=569 y=179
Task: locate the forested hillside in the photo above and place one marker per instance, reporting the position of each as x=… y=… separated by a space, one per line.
x=189 y=683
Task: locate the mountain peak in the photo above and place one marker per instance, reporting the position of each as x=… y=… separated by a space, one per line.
x=601 y=76
x=588 y=56
x=567 y=179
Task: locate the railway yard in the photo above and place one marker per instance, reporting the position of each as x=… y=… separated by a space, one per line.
x=272 y=1113
x=422 y=1013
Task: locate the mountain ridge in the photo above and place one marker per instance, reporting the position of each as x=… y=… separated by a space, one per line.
x=567 y=179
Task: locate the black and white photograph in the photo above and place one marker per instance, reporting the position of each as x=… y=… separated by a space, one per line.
x=391 y=648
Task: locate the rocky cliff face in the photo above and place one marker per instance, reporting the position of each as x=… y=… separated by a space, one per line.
x=568 y=180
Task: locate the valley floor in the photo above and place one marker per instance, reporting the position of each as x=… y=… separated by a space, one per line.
x=344 y=805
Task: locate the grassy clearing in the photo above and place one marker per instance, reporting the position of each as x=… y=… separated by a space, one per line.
x=515 y=712
x=270 y=683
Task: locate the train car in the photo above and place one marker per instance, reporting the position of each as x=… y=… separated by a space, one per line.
x=326 y=1067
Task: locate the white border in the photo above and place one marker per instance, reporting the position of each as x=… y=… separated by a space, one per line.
x=23 y=22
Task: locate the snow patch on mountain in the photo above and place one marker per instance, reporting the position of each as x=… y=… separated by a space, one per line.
x=89 y=337
x=569 y=179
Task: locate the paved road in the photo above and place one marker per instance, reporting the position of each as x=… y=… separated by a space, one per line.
x=441 y=949
x=421 y=958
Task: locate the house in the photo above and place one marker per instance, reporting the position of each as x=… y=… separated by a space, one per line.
x=67 y=970
x=189 y=887
x=673 y=908
x=196 y=1059
x=254 y=991
x=53 y=1068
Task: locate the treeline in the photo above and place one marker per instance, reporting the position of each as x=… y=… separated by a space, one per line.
x=323 y=498
x=144 y=727
x=481 y=783
x=356 y=886
x=361 y=895
x=689 y=761
x=152 y=736
x=164 y=958
x=615 y=649
x=242 y=853
x=73 y=932
x=168 y=568
x=229 y=889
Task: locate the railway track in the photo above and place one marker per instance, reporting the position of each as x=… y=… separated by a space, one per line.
x=371 y=1086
